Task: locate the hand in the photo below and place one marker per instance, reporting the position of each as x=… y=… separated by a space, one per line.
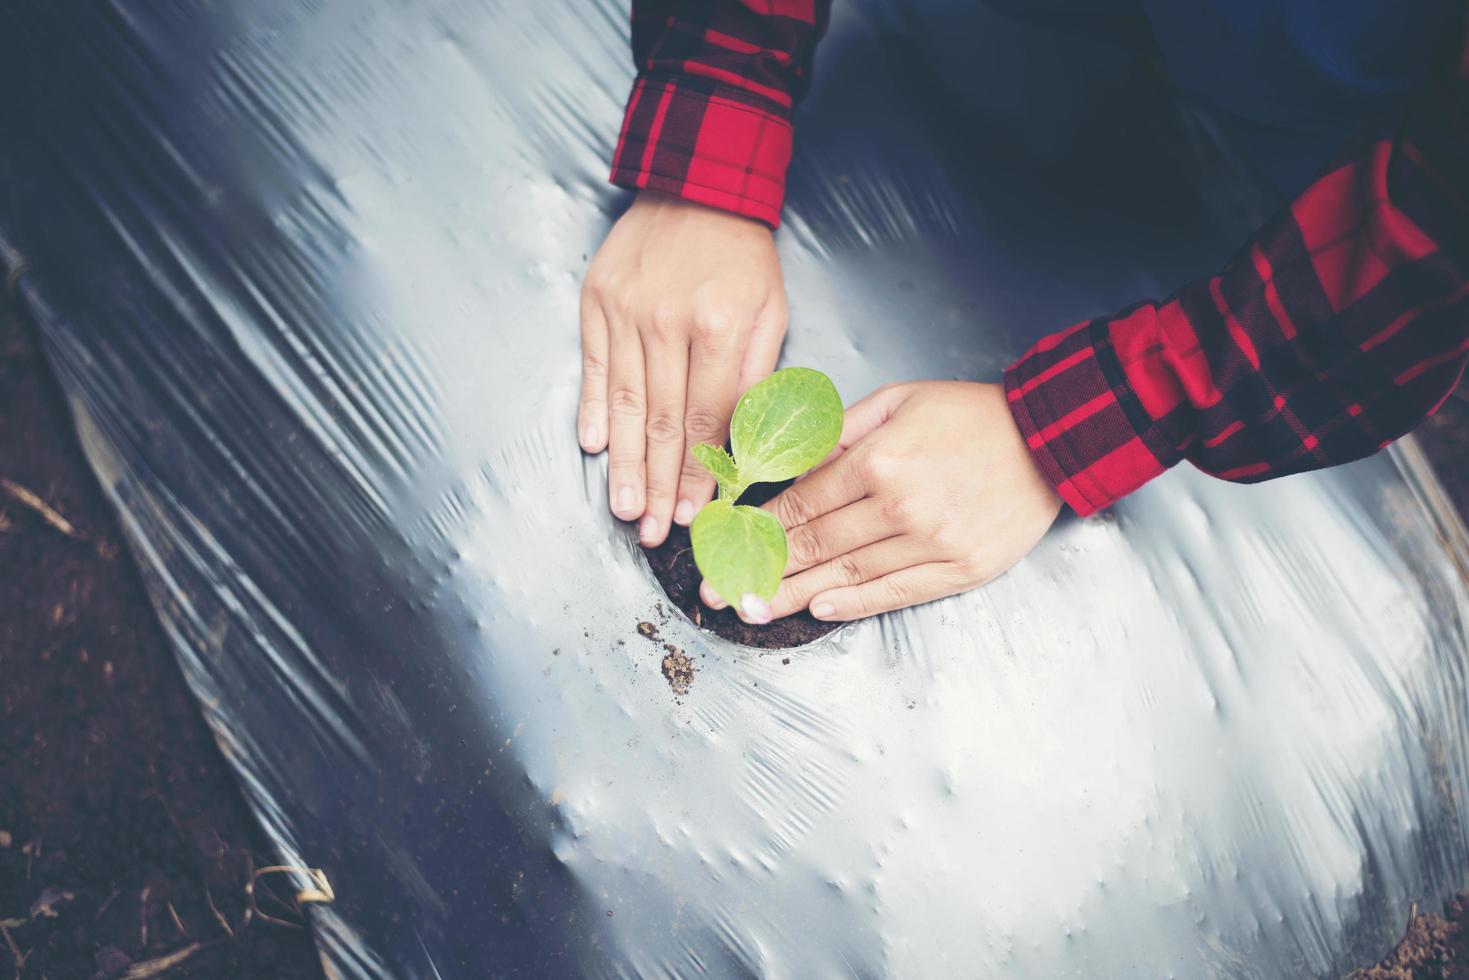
x=682 y=309
x=931 y=491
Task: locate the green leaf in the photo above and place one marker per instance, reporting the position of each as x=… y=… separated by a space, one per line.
x=738 y=550
x=781 y=428
x=722 y=466
x=785 y=425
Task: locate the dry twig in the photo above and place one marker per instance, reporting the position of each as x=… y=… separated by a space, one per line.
x=20 y=958
x=177 y=923
x=161 y=965
x=321 y=892
x=107 y=904
x=47 y=513
x=143 y=916
x=218 y=916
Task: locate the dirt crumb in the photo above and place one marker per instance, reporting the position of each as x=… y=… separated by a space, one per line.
x=648 y=630
x=679 y=671
x=1433 y=948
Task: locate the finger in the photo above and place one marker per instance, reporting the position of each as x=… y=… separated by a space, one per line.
x=896 y=590
x=868 y=414
x=762 y=351
x=837 y=533
x=752 y=608
x=865 y=417
x=591 y=416
x=824 y=490
x=627 y=409
x=713 y=376
x=847 y=570
x=668 y=378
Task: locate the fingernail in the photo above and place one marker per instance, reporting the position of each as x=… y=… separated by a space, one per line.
x=823 y=610
x=755 y=608
x=710 y=597
x=589 y=436
x=648 y=530
x=683 y=513
x=627 y=502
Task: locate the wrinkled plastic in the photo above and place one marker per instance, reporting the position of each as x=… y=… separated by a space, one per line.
x=308 y=272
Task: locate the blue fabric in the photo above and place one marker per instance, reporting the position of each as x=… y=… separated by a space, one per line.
x=1295 y=80
x=1289 y=81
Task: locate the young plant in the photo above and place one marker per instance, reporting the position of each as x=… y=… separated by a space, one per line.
x=781 y=428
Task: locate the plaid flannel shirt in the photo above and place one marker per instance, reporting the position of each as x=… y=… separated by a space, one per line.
x=1340 y=326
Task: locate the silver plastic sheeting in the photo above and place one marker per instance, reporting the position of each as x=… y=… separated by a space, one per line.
x=308 y=270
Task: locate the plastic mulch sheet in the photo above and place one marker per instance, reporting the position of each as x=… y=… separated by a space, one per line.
x=308 y=271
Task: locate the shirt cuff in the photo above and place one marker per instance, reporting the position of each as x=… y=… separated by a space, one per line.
x=1085 y=426
x=694 y=140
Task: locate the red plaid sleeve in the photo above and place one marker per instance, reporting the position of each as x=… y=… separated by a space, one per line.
x=709 y=118
x=1338 y=328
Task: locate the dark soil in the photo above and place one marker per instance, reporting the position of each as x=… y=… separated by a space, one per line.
x=1434 y=947
x=673 y=564
x=678 y=670
x=121 y=829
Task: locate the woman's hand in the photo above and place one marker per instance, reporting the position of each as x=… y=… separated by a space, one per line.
x=682 y=309
x=930 y=492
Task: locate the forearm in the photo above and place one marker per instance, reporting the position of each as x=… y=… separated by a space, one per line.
x=1340 y=326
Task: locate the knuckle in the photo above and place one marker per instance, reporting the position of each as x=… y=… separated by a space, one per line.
x=625 y=459
x=897 y=592
x=711 y=326
x=793 y=508
x=660 y=487
x=702 y=422
x=665 y=321
x=947 y=540
x=596 y=283
x=968 y=571
x=622 y=310
x=804 y=548
x=898 y=512
x=605 y=285
x=593 y=365
x=877 y=467
x=950 y=533
x=664 y=428
x=628 y=402
x=848 y=570
x=693 y=475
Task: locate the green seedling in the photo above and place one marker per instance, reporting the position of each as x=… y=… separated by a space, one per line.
x=781 y=428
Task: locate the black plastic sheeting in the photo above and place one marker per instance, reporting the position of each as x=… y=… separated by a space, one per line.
x=308 y=271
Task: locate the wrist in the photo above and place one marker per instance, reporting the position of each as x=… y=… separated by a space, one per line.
x=653 y=201
x=1046 y=448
